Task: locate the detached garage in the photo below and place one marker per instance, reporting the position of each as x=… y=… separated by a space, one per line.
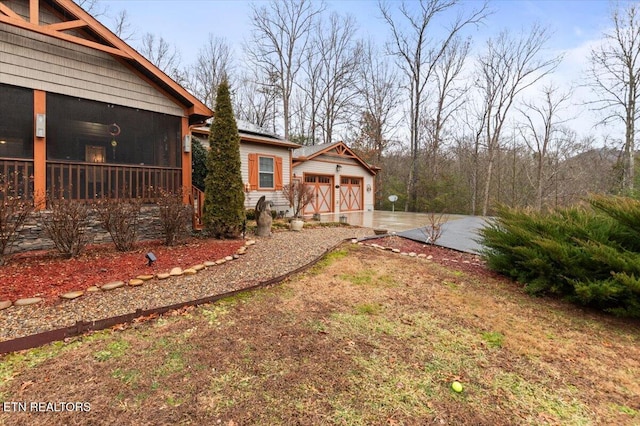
x=341 y=181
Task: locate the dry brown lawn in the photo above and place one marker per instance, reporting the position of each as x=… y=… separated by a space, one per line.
x=365 y=337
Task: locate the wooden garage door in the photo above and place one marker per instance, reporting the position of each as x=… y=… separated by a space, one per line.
x=322 y=190
x=350 y=194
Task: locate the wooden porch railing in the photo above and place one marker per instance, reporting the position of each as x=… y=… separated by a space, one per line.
x=90 y=181
x=197 y=199
x=16 y=178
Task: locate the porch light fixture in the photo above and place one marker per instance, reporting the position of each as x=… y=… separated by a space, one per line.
x=368 y=187
x=338 y=168
x=41 y=125
x=151 y=258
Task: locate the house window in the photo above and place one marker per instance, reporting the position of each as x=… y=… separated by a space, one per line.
x=125 y=135
x=266 y=172
x=16 y=122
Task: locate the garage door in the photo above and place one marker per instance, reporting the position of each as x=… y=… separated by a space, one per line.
x=350 y=194
x=322 y=190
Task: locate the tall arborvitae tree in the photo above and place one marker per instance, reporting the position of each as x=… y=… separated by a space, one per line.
x=224 y=211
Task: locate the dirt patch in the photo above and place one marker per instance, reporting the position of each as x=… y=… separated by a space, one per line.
x=366 y=337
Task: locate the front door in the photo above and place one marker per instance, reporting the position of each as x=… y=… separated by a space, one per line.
x=322 y=190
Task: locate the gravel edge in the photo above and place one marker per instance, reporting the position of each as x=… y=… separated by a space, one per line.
x=271 y=257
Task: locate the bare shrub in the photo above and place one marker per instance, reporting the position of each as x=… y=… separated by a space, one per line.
x=120 y=219
x=299 y=196
x=14 y=211
x=433 y=230
x=66 y=224
x=175 y=216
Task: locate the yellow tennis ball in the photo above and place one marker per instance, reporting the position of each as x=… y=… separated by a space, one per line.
x=456 y=386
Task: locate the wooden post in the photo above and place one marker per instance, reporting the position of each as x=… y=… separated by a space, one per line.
x=186 y=163
x=34 y=12
x=39 y=153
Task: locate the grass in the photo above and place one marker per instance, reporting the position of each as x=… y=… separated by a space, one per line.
x=364 y=337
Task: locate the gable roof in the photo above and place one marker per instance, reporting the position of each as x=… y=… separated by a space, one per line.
x=77 y=26
x=306 y=153
x=252 y=133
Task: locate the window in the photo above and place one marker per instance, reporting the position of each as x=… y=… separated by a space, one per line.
x=266 y=172
x=16 y=122
x=123 y=135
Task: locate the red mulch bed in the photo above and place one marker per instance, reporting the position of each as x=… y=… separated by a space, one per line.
x=46 y=274
x=461 y=261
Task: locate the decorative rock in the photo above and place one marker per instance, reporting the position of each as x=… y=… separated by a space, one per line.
x=250 y=243
x=163 y=276
x=404 y=253
x=412 y=254
x=93 y=289
x=209 y=263
x=199 y=267
x=429 y=257
x=221 y=261
x=5 y=304
x=235 y=257
x=144 y=277
x=72 y=294
x=228 y=258
x=189 y=271
x=395 y=250
x=135 y=282
x=422 y=255
x=28 y=301
x=176 y=272
x=242 y=250
x=354 y=241
x=112 y=285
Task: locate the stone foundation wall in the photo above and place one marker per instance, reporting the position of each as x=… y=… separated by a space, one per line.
x=32 y=235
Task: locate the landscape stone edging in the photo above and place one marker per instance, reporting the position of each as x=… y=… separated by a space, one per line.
x=394 y=250
x=134 y=282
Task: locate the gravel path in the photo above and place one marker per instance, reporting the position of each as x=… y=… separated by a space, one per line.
x=270 y=257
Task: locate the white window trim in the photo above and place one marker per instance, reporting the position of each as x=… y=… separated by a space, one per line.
x=272 y=172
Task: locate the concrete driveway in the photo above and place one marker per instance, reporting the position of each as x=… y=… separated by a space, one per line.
x=459 y=232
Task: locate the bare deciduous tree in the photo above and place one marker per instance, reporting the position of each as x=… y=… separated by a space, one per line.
x=418 y=52
x=379 y=95
x=214 y=63
x=255 y=100
x=340 y=57
x=615 y=77
x=543 y=135
x=507 y=67
x=279 y=43
x=380 y=98
x=122 y=27
x=160 y=53
x=449 y=97
x=93 y=7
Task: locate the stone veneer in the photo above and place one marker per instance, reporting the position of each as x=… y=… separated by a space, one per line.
x=32 y=235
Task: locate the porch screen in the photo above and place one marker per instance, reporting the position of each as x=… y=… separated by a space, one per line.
x=90 y=131
x=16 y=122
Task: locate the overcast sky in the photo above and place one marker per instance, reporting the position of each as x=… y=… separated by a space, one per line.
x=186 y=24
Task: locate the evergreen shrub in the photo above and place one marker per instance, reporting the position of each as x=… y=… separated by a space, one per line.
x=224 y=212
x=589 y=254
